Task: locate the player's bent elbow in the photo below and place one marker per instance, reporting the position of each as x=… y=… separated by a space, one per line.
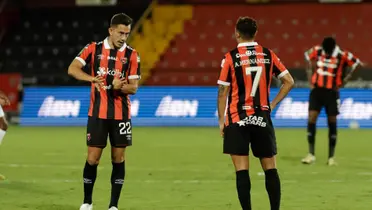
x=3 y=124
x=74 y=68
x=130 y=91
x=291 y=83
x=134 y=91
x=287 y=79
x=359 y=66
x=70 y=71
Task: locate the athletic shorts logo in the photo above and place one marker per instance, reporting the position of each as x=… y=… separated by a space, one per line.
x=252 y=120
x=88 y=137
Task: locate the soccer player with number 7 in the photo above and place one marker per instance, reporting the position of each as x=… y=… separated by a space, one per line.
x=245 y=80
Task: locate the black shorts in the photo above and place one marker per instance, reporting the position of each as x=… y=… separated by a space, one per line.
x=330 y=99
x=119 y=131
x=257 y=130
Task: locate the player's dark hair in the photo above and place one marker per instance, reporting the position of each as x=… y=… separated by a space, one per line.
x=246 y=27
x=328 y=45
x=121 y=19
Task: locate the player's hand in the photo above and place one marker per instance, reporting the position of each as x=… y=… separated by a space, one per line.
x=311 y=86
x=222 y=127
x=123 y=87
x=117 y=83
x=98 y=81
x=4 y=101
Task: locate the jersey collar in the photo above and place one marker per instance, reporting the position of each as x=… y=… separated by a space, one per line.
x=247 y=44
x=107 y=45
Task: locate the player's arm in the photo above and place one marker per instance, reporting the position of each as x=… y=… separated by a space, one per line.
x=281 y=72
x=354 y=64
x=309 y=70
x=134 y=76
x=130 y=87
x=76 y=67
x=287 y=85
x=310 y=55
x=223 y=82
x=75 y=70
x=4 y=100
x=223 y=92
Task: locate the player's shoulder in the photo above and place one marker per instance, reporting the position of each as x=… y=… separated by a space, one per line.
x=343 y=52
x=133 y=52
x=90 y=46
x=266 y=50
x=313 y=49
x=92 y=43
x=131 y=48
x=317 y=47
x=227 y=58
x=229 y=54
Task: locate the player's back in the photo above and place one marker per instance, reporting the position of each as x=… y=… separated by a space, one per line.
x=248 y=69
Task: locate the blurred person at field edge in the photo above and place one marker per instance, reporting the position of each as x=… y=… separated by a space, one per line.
x=4 y=101
x=334 y=68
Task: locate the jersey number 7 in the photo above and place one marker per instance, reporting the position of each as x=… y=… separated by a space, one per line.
x=256 y=81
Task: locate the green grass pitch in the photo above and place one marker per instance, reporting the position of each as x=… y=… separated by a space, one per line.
x=180 y=169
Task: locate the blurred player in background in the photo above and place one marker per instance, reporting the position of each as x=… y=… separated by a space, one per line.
x=4 y=101
x=115 y=72
x=245 y=81
x=331 y=73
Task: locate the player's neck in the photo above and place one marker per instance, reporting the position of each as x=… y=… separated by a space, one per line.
x=245 y=40
x=112 y=46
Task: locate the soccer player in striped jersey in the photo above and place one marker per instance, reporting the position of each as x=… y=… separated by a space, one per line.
x=114 y=74
x=333 y=69
x=4 y=101
x=244 y=82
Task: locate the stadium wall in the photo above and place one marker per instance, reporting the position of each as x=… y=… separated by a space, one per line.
x=183 y=106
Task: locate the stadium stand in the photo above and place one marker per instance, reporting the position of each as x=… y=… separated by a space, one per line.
x=193 y=57
x=42 y=42
x=179 y=44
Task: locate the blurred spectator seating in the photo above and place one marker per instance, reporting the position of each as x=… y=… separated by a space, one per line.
x=194 y=57
x=45 y=41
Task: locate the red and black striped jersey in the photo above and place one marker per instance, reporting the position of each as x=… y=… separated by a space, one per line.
x=248 y=70
x=330 y=69
x=107 y=103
